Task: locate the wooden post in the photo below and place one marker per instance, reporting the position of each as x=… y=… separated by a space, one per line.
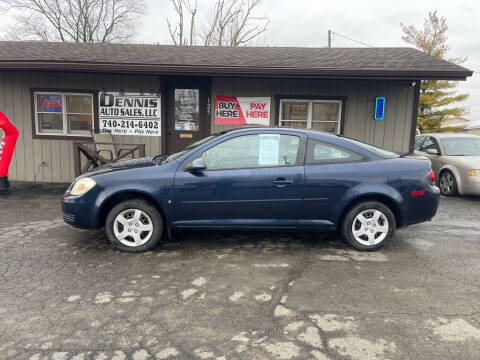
x=76 y=159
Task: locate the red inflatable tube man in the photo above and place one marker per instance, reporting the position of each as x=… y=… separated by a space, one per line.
x=7 y=146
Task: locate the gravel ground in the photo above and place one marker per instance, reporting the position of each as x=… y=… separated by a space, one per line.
x=66 y=294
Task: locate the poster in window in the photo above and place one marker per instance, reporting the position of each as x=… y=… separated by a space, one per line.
x=130 y=113
x=50 y=103
x=233 y=110
x=268 y=149
x=187 y=109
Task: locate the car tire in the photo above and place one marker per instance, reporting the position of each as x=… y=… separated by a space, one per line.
x=448 y=184
x=134 y=226
x=368 y=225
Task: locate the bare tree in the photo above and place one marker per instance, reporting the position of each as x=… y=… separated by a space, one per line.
x=231 y=23
x=74 y=20
x=177 y=34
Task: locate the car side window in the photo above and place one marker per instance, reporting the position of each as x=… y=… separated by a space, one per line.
x=252 y=151
x=419 y=142
x=430 y=143
x=319 y=152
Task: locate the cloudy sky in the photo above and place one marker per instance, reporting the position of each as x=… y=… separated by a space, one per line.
x=306 y=23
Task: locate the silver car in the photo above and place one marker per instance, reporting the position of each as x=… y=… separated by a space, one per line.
x=455 y=160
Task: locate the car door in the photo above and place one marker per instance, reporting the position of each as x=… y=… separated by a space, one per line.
x=253 y=179
x=330 y=171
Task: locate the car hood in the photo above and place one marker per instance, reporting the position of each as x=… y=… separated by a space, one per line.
x=473 y=162
x=122 y=165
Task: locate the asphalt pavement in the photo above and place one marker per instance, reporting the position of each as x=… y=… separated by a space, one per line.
x=66 y=294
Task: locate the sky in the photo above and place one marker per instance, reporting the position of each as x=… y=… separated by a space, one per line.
x=377 y=23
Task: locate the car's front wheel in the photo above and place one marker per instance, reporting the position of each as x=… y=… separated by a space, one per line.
x=368 y=225
x=134 y=226
x=448 y=184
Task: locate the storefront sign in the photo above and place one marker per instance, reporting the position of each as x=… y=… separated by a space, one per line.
x=50 y=103
x=379 y=108
x=130 y=113
x=232 y=110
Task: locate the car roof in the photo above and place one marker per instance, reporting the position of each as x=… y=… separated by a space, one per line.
x=447 y=135
x=246 y=128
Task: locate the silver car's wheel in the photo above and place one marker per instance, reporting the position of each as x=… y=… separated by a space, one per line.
x=133 y=227
x=448 y=185
x=370 y=227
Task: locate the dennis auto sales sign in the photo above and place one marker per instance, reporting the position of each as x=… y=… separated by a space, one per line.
x=232 y=110
x=129 y=113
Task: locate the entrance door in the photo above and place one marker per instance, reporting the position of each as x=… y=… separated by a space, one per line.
x=188 y=111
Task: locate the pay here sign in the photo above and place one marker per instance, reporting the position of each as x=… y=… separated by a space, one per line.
x=232 y=110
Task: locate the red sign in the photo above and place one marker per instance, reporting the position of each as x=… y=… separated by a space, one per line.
x=232 y=110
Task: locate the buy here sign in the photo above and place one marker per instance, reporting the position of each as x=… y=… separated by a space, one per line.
x=232 y=110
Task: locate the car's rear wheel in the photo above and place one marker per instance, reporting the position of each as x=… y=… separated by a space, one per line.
x=368 y=225
x=448 y=184
x=134 y=226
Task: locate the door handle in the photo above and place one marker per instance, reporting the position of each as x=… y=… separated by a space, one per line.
x=283 y=182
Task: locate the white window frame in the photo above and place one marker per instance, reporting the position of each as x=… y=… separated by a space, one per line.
x=64 y=113
x=309 y=120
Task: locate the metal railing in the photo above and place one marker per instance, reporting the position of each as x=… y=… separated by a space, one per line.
x=85 y=157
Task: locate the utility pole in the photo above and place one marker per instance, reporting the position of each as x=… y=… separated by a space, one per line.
x=329 y=38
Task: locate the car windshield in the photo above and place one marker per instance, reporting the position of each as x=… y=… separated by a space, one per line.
x=171 y=157
x=376 y=150
x=461 y=146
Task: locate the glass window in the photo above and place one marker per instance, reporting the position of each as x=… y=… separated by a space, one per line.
x=319 y=152
x=79 y=104
x=325 y=126
x=63 y=113
x=295 y=114
x=311 y=114
x=187 y=109
x=50 y=123
x=430 y=143
x=419 y=142
x=250 y=151
x=374 y=149
x=461 y=146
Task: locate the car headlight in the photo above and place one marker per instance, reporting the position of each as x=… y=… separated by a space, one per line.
x=474 y=172
x=82 y=185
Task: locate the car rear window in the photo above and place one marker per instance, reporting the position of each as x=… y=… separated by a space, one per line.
x=373 y=149
x=319 y=152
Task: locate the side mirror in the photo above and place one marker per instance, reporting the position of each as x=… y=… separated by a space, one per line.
x=433 y=152
x=197 y=165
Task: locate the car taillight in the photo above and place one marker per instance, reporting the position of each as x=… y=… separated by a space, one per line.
x=432 y=176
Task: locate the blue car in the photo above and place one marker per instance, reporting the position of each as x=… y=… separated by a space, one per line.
x=261 y=178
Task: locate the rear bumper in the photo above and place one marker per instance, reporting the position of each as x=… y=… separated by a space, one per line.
x=422 y=208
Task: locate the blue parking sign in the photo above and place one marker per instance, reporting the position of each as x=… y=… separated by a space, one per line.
x=379 y=108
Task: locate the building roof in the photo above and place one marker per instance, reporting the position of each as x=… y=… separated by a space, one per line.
x=371 y=63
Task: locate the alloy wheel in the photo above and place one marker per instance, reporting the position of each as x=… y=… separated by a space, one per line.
x=446 y=183
x=133 y=227
x=370 y=227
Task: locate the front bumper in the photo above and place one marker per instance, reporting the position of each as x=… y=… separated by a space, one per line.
x=81 y=211
x=471 y=185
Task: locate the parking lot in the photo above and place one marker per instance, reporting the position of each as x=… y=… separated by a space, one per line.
x=66 y=294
